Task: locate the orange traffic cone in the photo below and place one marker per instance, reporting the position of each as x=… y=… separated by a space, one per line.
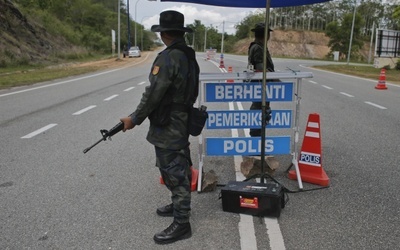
x=230 y=71
x=382 y=80
x=310 y=162
x=195 y=176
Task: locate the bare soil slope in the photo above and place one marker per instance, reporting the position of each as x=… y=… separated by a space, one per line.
x=298 y=44
x=303 y=44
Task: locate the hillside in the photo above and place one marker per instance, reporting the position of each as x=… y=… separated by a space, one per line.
x=302 y=44
x=298 y=44
x=24 y=40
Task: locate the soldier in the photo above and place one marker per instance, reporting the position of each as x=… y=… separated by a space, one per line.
x=255 y=59
x=163 y=102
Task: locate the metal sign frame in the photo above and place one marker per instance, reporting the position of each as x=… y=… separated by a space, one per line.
x=248 y=76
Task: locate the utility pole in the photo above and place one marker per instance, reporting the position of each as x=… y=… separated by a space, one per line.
x=141 y=32
x=135 y=19
x=119 y=30
x=129 y=27
x=352 y=31
x=370 y=43
x=205 y=39
x=221 y=64
x=222 y=41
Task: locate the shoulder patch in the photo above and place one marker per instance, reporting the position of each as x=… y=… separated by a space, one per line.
x=155 y=70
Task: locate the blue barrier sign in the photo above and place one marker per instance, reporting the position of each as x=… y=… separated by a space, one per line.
x=249 y=92
x=247 y=119
x=224 y=146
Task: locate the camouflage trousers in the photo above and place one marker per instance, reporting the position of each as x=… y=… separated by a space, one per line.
x=255 y=132
x=175 y=170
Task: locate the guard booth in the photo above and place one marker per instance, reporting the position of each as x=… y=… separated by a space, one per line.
x=215 y=87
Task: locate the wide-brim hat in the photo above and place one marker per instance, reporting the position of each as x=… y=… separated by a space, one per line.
x=171 y=20
x=260 y=27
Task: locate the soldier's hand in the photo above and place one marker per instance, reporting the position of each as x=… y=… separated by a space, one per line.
x=128 y=124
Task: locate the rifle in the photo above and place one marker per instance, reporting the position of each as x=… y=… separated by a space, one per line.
x=106 y=134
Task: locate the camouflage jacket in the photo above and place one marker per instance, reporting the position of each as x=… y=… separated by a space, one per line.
x=256 y=54
x=170 y=69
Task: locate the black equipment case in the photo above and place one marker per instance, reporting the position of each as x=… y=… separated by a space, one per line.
x=259 y=199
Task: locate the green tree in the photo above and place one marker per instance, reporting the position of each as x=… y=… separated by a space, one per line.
x=243 y=29
x=197 y=37
x=208 y=37
x=396 y=16
x=339 y=34
x=371 y=11
x=213 y=38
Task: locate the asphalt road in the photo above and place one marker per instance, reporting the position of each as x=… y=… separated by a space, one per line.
x=55 y=197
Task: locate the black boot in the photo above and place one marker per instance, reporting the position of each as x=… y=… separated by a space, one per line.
x=174 y=232
x=166 y=211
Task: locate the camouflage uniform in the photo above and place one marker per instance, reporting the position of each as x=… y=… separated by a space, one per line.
x=256 y=58
x=170 y=69
x=256 y=55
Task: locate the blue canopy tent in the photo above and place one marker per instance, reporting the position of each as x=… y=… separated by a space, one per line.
x=250 y=3
x=258 y=4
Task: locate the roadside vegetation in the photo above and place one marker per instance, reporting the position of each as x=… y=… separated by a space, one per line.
x=27 y=74
x=45 y=40
x=367 y=71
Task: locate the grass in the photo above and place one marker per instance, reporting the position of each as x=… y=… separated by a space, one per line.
x=367 y=71
x=14 y=76
x=21 y=77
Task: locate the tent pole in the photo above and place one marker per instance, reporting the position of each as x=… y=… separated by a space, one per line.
x=264 y=89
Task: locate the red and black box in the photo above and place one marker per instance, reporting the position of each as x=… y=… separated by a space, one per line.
x=258 y=199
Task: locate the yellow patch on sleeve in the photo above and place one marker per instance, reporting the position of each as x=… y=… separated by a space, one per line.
x=155 y=70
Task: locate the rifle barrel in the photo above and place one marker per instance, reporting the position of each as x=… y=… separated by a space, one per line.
x=89 y=148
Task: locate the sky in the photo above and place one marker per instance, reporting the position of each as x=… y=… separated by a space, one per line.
x=148 y=14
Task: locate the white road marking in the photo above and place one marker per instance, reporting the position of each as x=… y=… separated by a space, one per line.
x=348 y=95
x=375 y=105
x=247 y=234
x=246 y=225
x=129 y=89
x=327 y=87
x=275 y=235
x=141 y=83
x=84 y=110
x=313 y=82
x=39 y=131
x=110 y=98
x=217 y=64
